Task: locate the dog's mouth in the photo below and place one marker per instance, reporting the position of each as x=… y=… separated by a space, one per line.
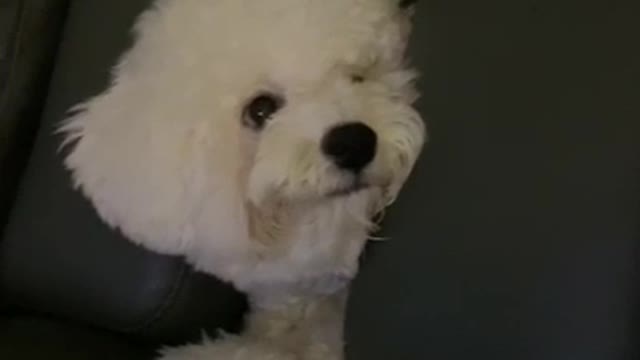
x=349 y=190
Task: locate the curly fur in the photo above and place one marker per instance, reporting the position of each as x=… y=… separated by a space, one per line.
x=164 y=156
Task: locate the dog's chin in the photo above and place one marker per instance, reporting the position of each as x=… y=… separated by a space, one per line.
x=347 y=191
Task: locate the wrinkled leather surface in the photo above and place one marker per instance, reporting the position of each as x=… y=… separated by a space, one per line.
x=58 y=258
x=29 y=36
x=517 y=237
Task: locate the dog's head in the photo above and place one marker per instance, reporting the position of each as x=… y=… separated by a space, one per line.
x=222 y=105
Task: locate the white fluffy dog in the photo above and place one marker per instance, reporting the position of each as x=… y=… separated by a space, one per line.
x=257 y=139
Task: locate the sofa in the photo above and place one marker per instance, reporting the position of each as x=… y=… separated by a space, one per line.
x=516 y=238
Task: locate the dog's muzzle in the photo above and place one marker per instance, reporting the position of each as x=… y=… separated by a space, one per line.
x=350 y=146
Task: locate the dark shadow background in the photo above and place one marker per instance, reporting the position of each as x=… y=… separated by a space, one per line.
x=517 y=237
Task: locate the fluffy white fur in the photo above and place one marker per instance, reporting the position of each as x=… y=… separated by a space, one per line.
x=164 y=156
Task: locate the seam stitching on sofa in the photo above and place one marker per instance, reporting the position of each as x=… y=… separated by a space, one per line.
x=164 y=306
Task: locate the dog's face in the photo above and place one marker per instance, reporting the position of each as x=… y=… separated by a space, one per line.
x=325 y=102
x=249 y=101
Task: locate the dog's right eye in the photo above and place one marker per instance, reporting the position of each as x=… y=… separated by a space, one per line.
x=261 y=109
x=357 y=78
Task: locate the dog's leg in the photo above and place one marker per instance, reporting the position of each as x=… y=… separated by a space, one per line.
x=310 y=328
x=292 y=329
x=227 y=348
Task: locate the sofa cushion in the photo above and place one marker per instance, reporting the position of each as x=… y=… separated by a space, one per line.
x=58 y=257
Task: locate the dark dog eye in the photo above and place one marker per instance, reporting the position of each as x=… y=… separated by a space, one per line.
x=357 y=79
x=407 y=3
x=261 y=109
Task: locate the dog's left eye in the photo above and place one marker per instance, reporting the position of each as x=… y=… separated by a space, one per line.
x=261 y=109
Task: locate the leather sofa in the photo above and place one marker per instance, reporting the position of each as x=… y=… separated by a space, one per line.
x=517 y=237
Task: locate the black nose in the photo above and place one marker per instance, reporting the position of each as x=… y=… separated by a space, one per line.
x=350 y=146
